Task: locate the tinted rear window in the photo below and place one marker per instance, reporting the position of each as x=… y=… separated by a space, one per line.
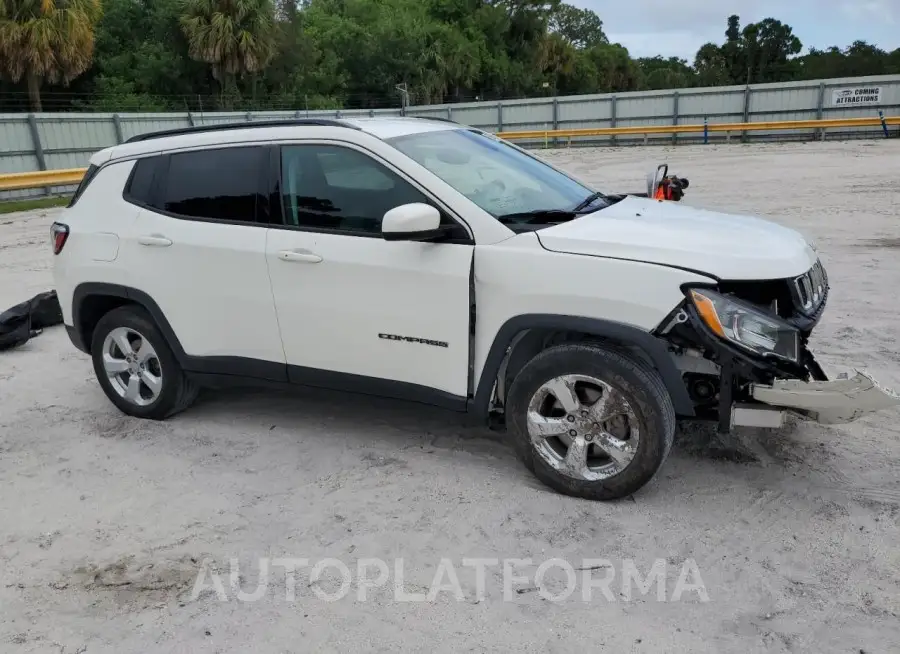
x=140 y=183
x=220 y=184
x=83 y=184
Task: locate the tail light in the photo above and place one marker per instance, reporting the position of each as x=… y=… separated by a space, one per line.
x=58 y=235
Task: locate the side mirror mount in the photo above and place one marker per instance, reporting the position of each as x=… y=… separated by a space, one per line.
x=412 y=222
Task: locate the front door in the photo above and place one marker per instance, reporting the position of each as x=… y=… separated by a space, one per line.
x=356 y=311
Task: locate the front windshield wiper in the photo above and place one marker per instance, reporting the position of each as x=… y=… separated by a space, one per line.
x=538 y=216
x=584 y=204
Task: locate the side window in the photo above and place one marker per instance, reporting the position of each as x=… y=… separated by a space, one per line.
x=220 y=184
x=350 y=170
x=332 y=187
x=140 y=182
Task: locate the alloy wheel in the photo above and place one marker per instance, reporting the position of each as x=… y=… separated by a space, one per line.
x=583 y=427
x=132 y=366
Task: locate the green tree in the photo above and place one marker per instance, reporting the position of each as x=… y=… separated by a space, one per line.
x=731 y=54
x=46 y=41
x=670 y=73
x=769 y=47
x=857 y=59
x=616 y=70
x=580 y=27
x=236 y=37
x=711 y=66
x=141 y=56
x=303 y=74
x=279 y=54
x=761 y=52
x=559 y=58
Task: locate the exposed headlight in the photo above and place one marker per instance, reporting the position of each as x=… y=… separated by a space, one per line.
x=746 y=326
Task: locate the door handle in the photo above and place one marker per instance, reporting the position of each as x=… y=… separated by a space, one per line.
x=155 y=240
x=299 y=256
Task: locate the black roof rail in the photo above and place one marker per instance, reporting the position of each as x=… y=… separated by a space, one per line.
x=197 y=129
x=442 y=120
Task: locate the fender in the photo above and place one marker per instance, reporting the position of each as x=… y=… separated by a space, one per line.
x=622 y=333
x=88 y=289
x=82 y=292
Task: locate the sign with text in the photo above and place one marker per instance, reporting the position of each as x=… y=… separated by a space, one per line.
x=856 y=96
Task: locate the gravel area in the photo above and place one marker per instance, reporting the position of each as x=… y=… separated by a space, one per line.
x=106 y=521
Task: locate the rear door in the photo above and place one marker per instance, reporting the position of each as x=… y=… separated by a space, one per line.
x=198 y=250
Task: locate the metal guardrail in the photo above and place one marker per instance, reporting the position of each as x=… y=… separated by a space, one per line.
x=41 y=179
x=72 y=176
x=703 y=128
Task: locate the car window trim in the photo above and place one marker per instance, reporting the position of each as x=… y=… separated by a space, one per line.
x=275 y=163
x=161 y=180
x=89 y=176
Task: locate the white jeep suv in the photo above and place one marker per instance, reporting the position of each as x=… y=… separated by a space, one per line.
x=429 y=261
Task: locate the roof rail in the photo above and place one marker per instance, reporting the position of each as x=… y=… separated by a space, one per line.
x=298 y=122
x=443 y=120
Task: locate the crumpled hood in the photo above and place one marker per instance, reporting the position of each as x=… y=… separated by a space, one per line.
x=727 y=246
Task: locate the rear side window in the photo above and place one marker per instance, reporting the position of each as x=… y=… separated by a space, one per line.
x=220 y=184
x=83 y=184
x=140 y=182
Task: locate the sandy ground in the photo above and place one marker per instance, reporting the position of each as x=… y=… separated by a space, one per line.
x=105 y=520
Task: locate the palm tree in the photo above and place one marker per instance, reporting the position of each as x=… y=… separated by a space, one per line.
x=234 y=36
x=46 y=41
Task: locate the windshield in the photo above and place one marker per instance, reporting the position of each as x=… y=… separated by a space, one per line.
x=504 y=181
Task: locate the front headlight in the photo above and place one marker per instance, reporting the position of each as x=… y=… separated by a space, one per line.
x=746 y=326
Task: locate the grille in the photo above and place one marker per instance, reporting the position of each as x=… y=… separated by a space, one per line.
x=810 y=289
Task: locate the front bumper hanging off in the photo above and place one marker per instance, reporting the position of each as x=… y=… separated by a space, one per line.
x=802 y=389
x=760 y=389
x=839 y=401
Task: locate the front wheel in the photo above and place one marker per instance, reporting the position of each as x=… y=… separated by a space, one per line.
x=591 y=422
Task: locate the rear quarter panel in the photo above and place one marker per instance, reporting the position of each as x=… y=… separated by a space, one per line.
x=97 y=223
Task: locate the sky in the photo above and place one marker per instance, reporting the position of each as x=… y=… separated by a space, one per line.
x=677 y=28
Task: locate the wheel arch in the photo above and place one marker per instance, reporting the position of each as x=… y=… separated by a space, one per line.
x=92 y=300
x=522 y=337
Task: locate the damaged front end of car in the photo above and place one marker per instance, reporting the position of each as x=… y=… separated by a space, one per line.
x=742 y=348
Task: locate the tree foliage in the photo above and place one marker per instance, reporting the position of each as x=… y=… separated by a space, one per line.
x=582 y=28
x=265 y=54
x=235 y=37
x=46 y=41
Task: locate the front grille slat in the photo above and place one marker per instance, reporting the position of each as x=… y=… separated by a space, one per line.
x=807 y=291
x=810 y=289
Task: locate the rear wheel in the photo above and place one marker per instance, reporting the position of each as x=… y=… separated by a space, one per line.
x=591 y=422
x=136 y=367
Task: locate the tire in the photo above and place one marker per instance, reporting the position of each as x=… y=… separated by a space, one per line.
x=630 y=390
x=173 y=393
